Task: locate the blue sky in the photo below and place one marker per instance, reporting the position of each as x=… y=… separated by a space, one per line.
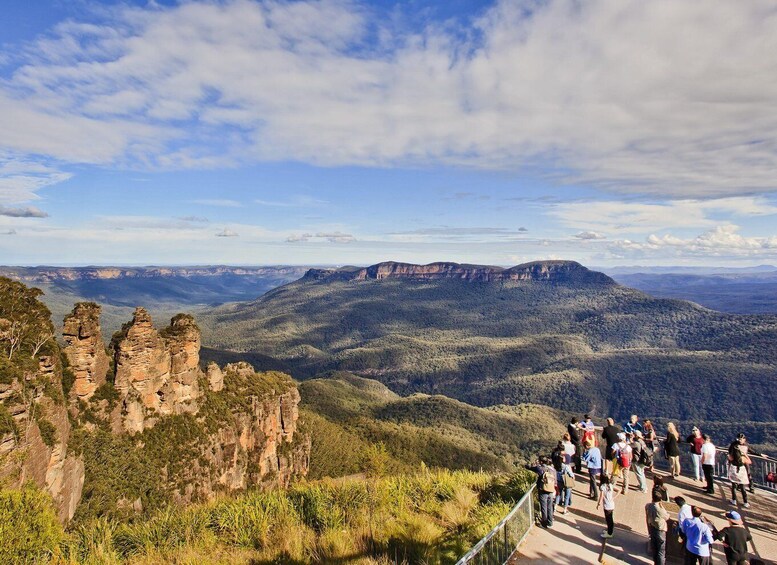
x=256 y=132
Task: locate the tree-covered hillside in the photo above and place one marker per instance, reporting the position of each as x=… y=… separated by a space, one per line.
x=581 y=346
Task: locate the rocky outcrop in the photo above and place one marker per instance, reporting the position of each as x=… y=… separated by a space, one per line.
x=262 y=444
x=85 y=349
x=156 y=372
x=547 y=271
x=37 y=449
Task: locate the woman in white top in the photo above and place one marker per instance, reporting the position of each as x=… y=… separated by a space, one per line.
x=607 y=499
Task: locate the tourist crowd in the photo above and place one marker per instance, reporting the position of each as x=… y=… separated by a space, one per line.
x=612 y=454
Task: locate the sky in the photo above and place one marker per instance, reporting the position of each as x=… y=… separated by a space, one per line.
x=611 y=132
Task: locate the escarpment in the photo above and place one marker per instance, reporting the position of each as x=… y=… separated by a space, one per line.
x=546 y=271
x=85 y=349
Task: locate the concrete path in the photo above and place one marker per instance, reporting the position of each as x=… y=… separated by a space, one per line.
x=574 y=537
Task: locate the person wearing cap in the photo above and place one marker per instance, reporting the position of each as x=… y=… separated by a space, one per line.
x=696 y=441
x=623 y=454
x=698 y=538
x=735 y=538
x=708 y=453
x=656 y=517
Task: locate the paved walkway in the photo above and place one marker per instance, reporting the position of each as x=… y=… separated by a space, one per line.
x=574 y=538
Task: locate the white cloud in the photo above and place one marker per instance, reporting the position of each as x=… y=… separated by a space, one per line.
x=590 y=235
x=226 y=233
x=221 y=202
x=721 y=241
x=331 y=237
x=293 y=202
x=638 y=217
x=669 y=97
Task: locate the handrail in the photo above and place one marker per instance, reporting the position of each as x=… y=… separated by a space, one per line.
x=478 y=547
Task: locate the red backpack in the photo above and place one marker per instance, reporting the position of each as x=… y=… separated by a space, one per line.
x=624 y=456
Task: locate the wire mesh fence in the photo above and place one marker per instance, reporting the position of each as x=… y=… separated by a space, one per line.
x=500 y=543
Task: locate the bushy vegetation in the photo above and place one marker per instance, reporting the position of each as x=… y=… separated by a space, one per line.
x=424 y=517
x=29 y=529
x=350 y=415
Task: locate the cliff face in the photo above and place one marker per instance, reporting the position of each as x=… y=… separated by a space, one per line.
x=37 y=448
x=85 y=350
x=548 y=271
x=261 y=444
x=156 y=373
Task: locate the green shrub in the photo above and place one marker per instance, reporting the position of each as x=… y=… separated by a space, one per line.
x=7 y=423
x=47 y=431
x=29 y=529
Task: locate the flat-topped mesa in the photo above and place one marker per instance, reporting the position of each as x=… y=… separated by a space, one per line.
x=549 y=271
x=156 y=372
x=85 y=349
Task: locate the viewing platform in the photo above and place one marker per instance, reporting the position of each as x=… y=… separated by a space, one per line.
x=574 y=538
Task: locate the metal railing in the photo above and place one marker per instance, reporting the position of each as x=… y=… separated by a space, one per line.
x=760 y=467
x=500 y=543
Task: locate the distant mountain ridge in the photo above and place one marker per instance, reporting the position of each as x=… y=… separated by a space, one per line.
x=551 y=271
x=53 y=274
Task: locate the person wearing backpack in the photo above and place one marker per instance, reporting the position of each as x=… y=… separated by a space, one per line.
x=546 y=489
x=623 y=456
x=639 y=459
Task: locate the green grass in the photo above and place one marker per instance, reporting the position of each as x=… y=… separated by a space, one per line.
x=427 y=516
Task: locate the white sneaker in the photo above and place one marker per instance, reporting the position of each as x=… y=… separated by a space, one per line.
x=733 y=501
x=746 y=505
x=605 y=535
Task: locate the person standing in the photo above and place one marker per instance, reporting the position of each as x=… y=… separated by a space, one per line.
x=672 y=449
x=546 y=489
x=649 y=433
x=633 y=425
x=565 y=486
x=707 y=454
x=610 y=436
x=593 y=460
x=740 y=451
x=685 y=510
x=696 y=441
x=623 y=455
x=737 y=475
x=589 y=431
x=569 y=449
x=698 y=539
x=607 y=499
x=639 y=459
x=574 y=431
x=659 y=487
x=735 y=538
x=656 y=517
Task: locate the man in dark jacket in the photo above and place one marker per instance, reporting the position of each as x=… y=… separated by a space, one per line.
x=573 y=429
x=734 y=538
x=610 y=437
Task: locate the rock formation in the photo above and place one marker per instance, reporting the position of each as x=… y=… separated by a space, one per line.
x=85 y=349
x=156 y=373
x=549 y=271
x=37 y=448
